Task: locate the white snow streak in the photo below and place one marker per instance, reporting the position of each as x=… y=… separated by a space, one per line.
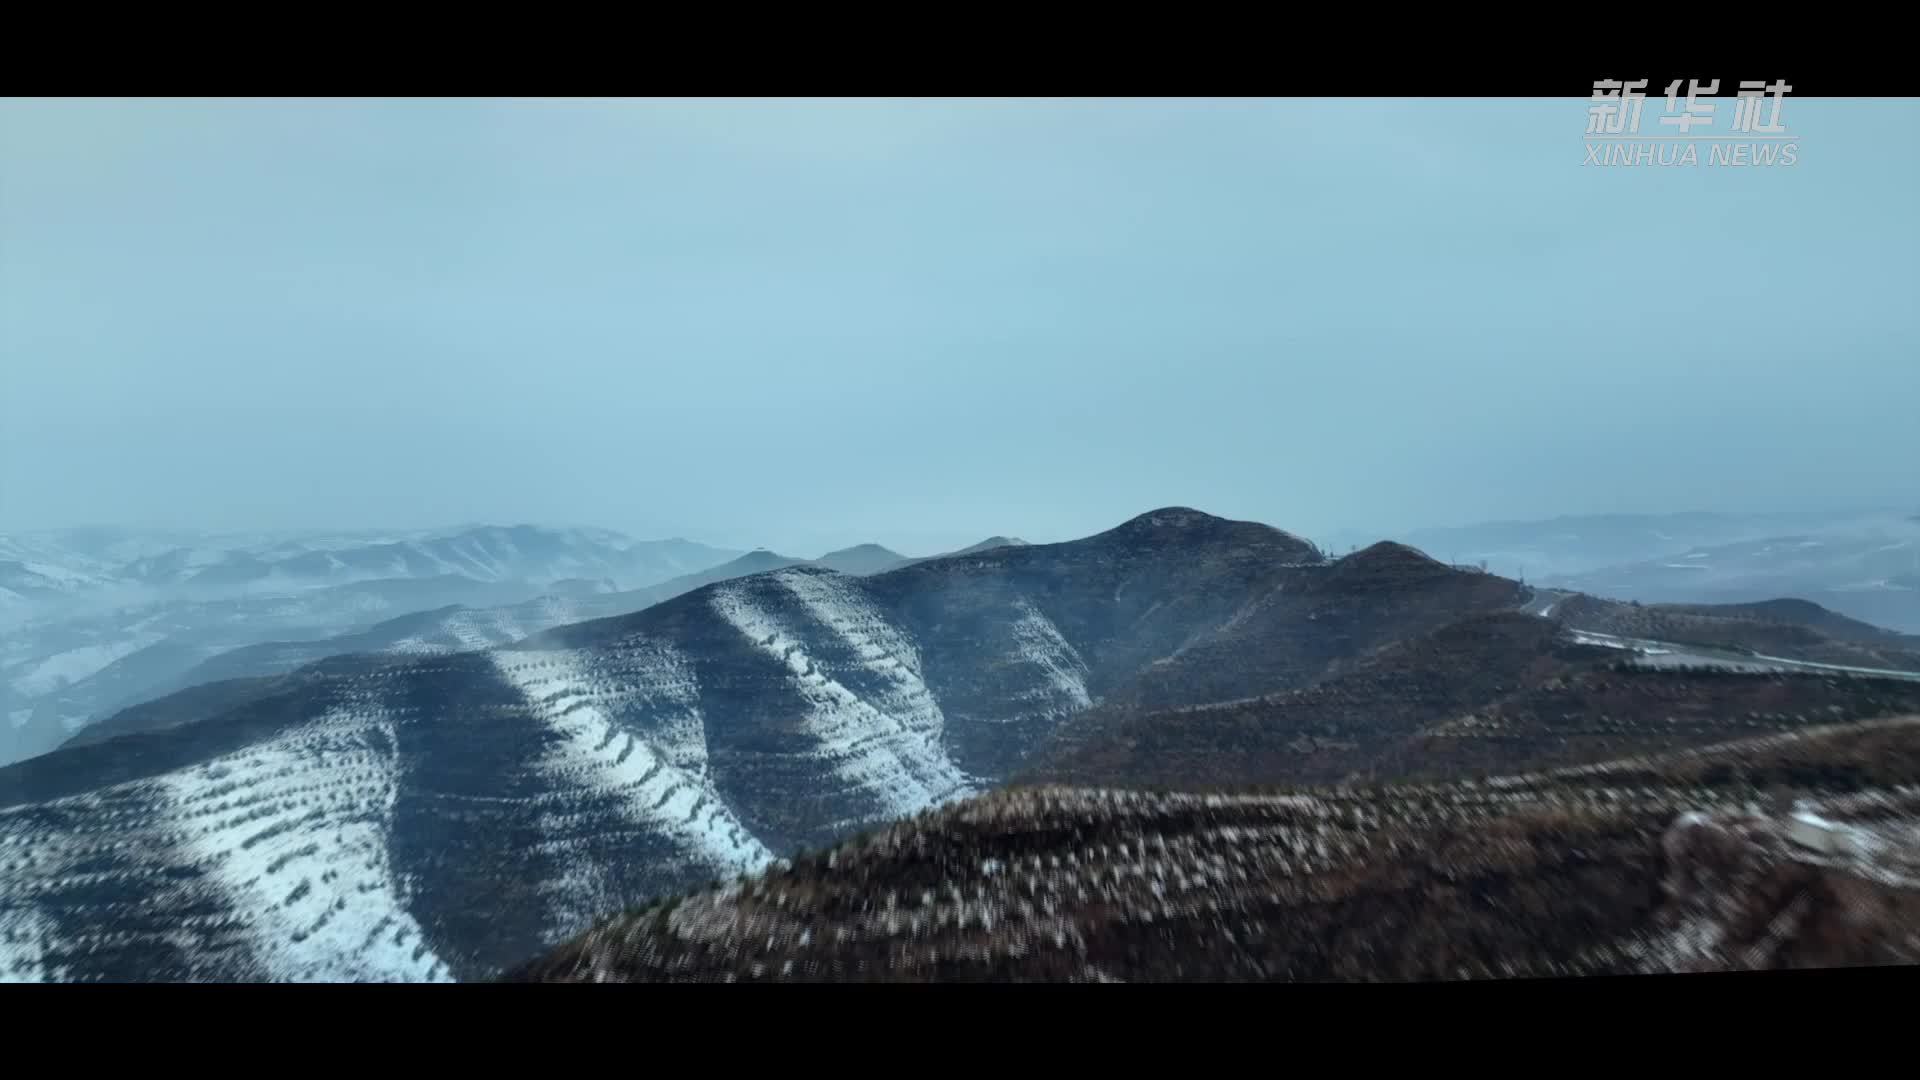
x=295 y=831
x=289 y=834
x=889 y=745
x=23 y=935
x=658 y=771
x=1042 y=645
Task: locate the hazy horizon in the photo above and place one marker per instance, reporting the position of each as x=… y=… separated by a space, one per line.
x=910 y=542
x=804 y=325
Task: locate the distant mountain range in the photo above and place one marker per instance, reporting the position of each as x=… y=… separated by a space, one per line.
x=859 y=560
x=1866 y=565
x=1871 y=575
x=450 y=629
x=109 y=638
x=95 y=620
x=1574 y=544
x=449 y=815
x=59 y=564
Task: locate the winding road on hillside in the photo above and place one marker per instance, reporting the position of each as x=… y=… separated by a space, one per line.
x=1652 y=653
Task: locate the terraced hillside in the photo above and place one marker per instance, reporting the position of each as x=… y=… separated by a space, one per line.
x=397 y=816
x=1318 y=621
x=143 y=686
x=1797 y=849
x=1485 y=694
x=496 y=800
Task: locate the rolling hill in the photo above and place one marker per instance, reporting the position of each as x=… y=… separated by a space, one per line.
x=479 y=805
x=396 y=816
x=1796 y=850
x=1480 y=695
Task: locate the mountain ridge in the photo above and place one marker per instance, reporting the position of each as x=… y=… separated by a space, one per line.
x=135 y=614
x=513 y=793
x=1664 y=863
x=469 y=809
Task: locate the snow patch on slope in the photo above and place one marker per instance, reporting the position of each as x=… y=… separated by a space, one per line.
x=62 y=669
x=1042 y=645
x=24 y=932
x=473 y=629
x=656 y=771
x=270 y=862
x=48 y=851
x=295 y=831
x=890 y=744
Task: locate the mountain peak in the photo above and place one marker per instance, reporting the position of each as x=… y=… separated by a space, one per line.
x=1174 y=525
x=757 y=560
x=991 y=543
x=1390 y=553
x=861 y=559
x=860 y=551
x=1386 y=562
x=1172 y=517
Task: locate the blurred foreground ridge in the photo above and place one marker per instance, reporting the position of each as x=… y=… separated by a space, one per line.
x=1668 y=863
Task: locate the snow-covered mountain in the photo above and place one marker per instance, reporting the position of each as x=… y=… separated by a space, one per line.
x=453 y=628
x=522 y=553
x=94 y=620
x=426 y=816
x=83 y=560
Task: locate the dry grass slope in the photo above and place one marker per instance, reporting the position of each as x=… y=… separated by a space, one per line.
x=1486 y=694
x=1798 y=848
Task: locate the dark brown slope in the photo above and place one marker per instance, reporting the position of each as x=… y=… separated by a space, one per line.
x=1325 y=615
x=1093 y=611
x=1319 y=733
x=1487 y=694
x=1318 y=619
x=1691 y=861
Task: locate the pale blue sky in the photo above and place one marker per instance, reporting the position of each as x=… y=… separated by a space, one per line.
x=808 y=323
